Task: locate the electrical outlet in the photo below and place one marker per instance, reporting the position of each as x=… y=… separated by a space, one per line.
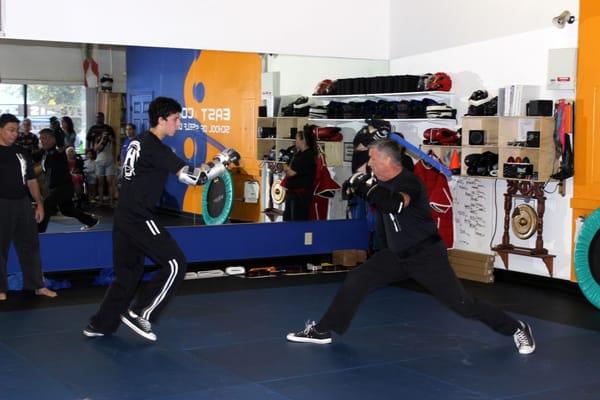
x=308 y=238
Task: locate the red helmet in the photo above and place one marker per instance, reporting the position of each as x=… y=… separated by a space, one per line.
x=443 y=136
x=440 y=81
x=324 y=87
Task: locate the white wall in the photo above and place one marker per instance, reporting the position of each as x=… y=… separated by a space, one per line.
x=56 y=63
x=424 y=26
x=514 y=59
x=300 y=75
x=309 y=27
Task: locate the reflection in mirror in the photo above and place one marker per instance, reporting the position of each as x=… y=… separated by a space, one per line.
x=221 y=93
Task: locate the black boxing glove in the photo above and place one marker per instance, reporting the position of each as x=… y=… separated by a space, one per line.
x=361 y=184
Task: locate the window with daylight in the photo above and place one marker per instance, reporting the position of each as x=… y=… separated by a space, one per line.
x=41 y=102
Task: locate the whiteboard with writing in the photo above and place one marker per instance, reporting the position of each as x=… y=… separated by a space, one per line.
x=474 y=214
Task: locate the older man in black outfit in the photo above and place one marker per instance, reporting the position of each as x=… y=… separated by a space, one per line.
x=60 y=184
x=411 y=248
x=17 y=218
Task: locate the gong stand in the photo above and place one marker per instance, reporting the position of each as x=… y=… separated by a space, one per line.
x=525 y=190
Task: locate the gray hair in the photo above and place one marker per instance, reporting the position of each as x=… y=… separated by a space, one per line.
x=390 y=148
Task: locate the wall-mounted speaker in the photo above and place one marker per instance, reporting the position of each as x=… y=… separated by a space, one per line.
x=476 y=137
x=533 y=139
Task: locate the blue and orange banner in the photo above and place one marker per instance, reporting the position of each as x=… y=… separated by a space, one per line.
x=220 y=93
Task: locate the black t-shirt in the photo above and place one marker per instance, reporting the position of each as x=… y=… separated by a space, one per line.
x=414 y=224
x=147 y=164
x=304 y=163
x=96 y=132
x=15 y=170
x=55 y=166
x=29 y=142
x=59 y=136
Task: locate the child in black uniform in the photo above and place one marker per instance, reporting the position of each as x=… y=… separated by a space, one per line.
x=137 y=234
x=411 y=248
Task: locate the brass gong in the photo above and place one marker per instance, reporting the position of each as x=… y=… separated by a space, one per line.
x=524 y=221
x=277 y=192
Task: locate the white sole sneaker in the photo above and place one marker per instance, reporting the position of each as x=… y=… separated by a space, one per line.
x=88 y=227
x=92 y=334
x=149 y=336
x=293 y=338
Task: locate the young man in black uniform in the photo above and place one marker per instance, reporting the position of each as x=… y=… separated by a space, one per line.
x=137 y=234
x=59 y=183
x=17 y=218
x=411 y=248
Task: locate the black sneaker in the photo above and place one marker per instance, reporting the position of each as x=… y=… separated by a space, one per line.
x=310 y=335
x=90 y=331
x=88 y=227
x=139 y=325
x=524 y=339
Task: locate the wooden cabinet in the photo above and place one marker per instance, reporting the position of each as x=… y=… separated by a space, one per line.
x=112 y=105
x=524 y=145
x=530 y=141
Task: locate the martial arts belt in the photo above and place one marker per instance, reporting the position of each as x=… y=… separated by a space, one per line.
x=217 y=199
x=587 y=258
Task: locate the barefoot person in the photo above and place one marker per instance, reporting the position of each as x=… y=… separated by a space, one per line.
x=17 y=218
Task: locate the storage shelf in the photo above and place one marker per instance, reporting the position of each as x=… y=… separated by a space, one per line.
x=479 y=177
x=380 y=95
x=519 y=148
x=483 y=146
x=336 y=120
x=443 y=146
x=283 y=126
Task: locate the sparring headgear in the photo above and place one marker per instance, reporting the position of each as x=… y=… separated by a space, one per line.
x=324 y=87
x=440 y=81
x=382 y=128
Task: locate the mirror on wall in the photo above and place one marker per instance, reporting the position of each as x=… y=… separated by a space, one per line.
x=222 y=94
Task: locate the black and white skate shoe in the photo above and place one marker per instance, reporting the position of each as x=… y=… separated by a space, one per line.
x=524 y=339
x=139 y=325
x=310 y=335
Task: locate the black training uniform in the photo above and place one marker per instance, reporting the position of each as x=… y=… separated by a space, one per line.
x=300 y=186
x=413 y=249
x=60 y=189
x=17 y=218
x=137 y=234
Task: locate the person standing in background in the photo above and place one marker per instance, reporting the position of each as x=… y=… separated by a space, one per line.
x=17 y=218
x=131 y=134
x=300 y=176
x=27 y=140
x=59 y=134
x=67 y=126
x=105 y=167
x=97 y=130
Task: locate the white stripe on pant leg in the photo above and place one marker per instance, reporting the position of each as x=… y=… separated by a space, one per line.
x=155 y=227
x=148 y=310
x=151 y=228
